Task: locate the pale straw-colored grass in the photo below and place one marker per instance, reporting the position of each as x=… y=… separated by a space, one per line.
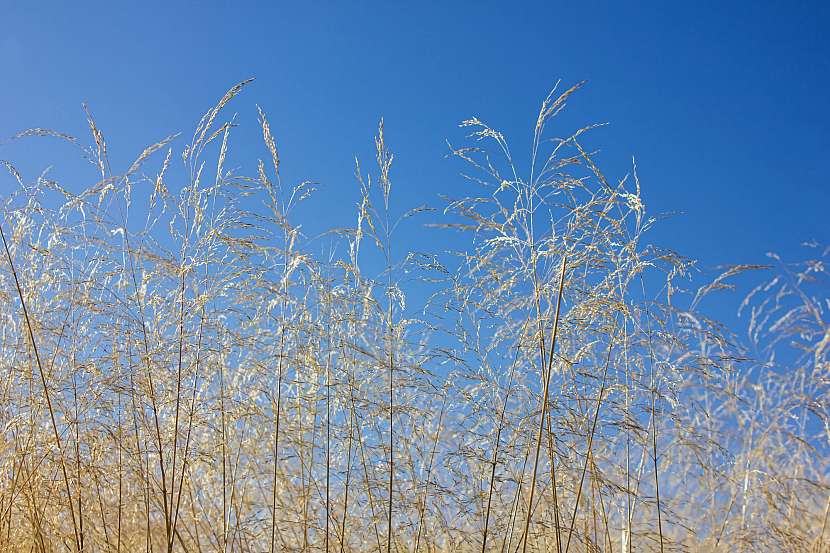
x=183 y=371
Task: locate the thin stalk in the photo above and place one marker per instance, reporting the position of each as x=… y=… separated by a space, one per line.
x=544 y=405
x=119 y=439
x=120 y=474
x=365 y=468
x=595 y=473
x=224 y=453
x=820 y=538
x=348 y=481
x=328 y=428
x=152 y=390
x=590 y=442
x=593 y=483
x=429 y=473
x=552 y=453
x=170 y=524
x=514 y=509
x=81 y=538
x=391 y=425
x=190 y=421
x=277 y=434
x=654 y=430
x=497 y=443
x=57 y=435
x=279 y=398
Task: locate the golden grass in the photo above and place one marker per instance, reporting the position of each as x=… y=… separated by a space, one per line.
x=182 y=373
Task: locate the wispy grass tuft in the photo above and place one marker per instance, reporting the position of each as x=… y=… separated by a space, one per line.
x=185 y=369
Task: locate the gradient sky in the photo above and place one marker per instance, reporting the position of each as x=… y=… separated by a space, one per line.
x=725 y=108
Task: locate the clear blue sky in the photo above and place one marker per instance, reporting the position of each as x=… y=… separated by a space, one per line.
x=725 y=108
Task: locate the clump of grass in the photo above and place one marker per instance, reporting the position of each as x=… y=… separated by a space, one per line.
x=182 y=372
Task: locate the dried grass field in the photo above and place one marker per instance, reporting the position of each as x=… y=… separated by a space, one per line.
x=184 y=370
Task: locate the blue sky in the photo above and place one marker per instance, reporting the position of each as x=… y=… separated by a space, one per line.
x=724 y=107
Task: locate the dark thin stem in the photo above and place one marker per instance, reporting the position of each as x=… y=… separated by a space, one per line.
x=590 y=442
x=429 y=473
x=348 y=481
x=172 y=527
x=544 y=406
x=497 y=443
x=57 y=435
x=654 y=429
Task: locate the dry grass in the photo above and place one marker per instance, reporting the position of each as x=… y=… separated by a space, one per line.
x=180 y=372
